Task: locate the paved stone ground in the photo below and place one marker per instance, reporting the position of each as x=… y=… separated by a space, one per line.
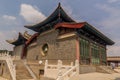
x=99 y=76
x=3 y=78
x=90 y=76
x=118 y=70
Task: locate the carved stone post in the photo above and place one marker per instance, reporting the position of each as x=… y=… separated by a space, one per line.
x=59 y=70
x=71 y=64
x=45 y=68
x=59 y=64
x=77 y=65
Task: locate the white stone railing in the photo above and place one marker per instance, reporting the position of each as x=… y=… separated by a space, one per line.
x=70 y=73
x=9 y=61
x=29 y=70
x=63 y=72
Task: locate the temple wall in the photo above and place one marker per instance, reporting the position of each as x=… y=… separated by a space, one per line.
x=18 y=51
x=33 y=52
x=64 y=49
x=50 y=39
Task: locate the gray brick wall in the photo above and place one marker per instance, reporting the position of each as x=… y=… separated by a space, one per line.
x=32 y=52
x=64 y=49
x=50 y=39
x=18 y=50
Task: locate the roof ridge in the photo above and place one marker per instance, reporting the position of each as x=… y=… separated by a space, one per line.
x=58 y=13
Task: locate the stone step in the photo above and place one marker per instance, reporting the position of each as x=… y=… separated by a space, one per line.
x=21 y=71
x=45 y=78
x=76 y=77
x=106 y=69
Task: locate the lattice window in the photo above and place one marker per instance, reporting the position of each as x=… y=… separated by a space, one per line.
x=95 y=54
x=103 y=55
x=84 y=51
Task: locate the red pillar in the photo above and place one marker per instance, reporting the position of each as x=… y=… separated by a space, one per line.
x=77 y=49
x=24 y=53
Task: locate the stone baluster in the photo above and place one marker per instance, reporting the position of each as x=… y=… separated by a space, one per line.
x=77 y=66
x=59 y=64
x=71 y=64
x=46 y=66
x=59 y=67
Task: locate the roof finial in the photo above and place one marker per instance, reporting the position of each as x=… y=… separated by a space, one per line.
x=59 y=4
x=19 y=33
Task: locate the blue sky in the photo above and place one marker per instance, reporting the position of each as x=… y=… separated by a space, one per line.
x=103 y=14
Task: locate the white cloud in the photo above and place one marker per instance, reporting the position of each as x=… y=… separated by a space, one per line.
x=9 y=17
x=7 y=20
x=31 y=14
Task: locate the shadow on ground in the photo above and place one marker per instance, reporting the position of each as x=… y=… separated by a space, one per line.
x=117 y=79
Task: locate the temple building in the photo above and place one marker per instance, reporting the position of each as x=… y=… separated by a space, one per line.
x=59 y=37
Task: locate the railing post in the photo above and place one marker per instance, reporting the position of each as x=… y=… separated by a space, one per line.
x=59 y=64
x=77 y=66
x=71 y=64
x=60 y=75
x=15 y=70
x=46 y=66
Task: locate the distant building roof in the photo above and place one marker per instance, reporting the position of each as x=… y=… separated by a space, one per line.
x=113 y=58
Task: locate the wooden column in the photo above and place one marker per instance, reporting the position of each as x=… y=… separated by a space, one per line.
x=106 y=55
x=100 y=55
x=23 y=54
x=77 y=49
x=90 y=54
